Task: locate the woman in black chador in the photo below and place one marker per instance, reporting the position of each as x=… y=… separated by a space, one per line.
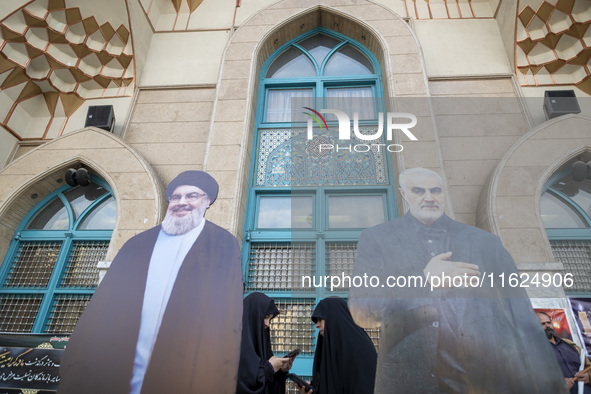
x=345 y=359
x=259 y=371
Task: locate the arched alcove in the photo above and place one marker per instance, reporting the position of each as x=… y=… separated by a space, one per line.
x=510 y=203
x=381 y=31
x=136 y=187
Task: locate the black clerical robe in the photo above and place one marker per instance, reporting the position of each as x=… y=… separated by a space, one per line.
x=198 y=344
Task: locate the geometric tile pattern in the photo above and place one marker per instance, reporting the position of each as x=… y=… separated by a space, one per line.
x=553 y=44
x=52 y=59
x=286 y=158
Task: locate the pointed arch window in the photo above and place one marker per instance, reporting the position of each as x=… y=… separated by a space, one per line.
x=566 y=212
x=50 y=270
x=307 y=208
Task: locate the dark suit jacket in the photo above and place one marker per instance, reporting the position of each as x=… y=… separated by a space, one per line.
x=481 y=340
x=198 y=345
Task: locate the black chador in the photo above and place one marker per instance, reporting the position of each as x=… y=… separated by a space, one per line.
x=255 y=374
x=345 y=359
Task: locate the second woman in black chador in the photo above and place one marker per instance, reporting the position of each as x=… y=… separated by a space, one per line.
x=345 y=358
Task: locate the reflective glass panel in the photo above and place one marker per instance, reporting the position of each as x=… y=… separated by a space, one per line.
x=348 y=61
x=355 y=211
x=351 y=100
x=279 y=104
x=290 y=64
x=319 y=46
x=579 y=192
x=102 y=217
x=80 y=198
x=53 y=217
x=285 y=212
x=557 y=214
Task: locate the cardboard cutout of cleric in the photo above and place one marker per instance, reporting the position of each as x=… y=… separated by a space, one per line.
x=472 y=335
x=167 y=316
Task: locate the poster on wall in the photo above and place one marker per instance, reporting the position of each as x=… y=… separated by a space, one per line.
x=581 y=308
x=559 y=321
x=30 y=361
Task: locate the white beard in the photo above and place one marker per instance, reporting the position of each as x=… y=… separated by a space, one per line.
x=426 y=215
x=172 y=225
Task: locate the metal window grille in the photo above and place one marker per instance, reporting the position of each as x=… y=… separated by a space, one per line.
x=374 y=335
x=81 y=268
x=280 y=266
x=18 y=311
x=576 y=258
x=340 y=258
x=65 y=312
x=33 y=264
x=293 y=327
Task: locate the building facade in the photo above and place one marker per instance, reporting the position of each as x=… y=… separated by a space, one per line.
x=222 y=86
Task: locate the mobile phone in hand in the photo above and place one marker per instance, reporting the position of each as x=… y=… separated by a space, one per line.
x=293 y=353
x=299 y=381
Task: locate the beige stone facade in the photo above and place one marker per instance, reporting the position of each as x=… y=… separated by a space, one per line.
x=191 y=104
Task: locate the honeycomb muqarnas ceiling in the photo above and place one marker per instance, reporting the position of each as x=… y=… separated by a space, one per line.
x=553 y=43
x=52 y=59
x=174 y=15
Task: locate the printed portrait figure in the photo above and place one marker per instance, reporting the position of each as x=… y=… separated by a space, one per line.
x=166 y=318
x=447 y=339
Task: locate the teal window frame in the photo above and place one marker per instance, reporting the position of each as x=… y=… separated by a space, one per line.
x=319 y=234
x=67 y=238
x=568 y=234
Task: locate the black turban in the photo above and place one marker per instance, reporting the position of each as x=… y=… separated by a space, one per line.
x=200 y=179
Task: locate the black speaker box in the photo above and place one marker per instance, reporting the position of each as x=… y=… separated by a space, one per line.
x=101 y=116
x=560 y=102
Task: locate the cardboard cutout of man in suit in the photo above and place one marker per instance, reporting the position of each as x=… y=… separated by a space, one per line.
x=167 y=316
x=447 y=339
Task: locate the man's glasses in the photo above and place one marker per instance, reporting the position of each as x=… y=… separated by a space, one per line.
x=191 y=197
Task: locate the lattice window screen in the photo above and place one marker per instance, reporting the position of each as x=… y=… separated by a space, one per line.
x=33 y=264
x=81 y=268
x=576 y=258
x=293 y=327
x=374 y=335
x=65 y=312
x=280 y=266
x=18 y=311
x=340 y=258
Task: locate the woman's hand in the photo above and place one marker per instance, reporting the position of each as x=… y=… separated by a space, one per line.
x=287 y=366
x=278 y=363
x=303 y=389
